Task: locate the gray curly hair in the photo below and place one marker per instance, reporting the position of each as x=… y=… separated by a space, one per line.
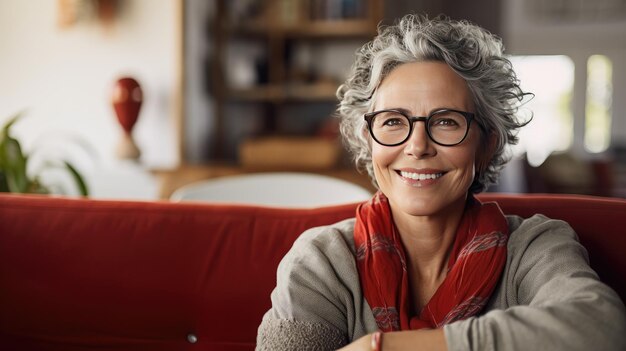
x=472 y=52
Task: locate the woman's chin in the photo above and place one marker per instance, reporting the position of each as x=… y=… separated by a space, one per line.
x=418 y=207
x=428 y=206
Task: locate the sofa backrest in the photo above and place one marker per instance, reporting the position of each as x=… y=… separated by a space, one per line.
x=76 y=274
x=138 y=275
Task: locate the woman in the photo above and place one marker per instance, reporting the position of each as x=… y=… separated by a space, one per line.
x=428 y=110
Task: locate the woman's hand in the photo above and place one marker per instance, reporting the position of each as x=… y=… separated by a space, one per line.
x=424 y=339
x=363 y=343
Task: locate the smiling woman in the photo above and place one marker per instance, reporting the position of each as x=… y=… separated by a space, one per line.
x=428 y=110
x=412 y=173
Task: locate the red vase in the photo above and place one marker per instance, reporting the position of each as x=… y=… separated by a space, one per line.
x=127 y=98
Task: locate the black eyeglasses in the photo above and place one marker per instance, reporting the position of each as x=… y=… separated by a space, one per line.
x=445 y=127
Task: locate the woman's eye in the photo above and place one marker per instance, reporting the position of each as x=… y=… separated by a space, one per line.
x=393 y=122
x=445 y=122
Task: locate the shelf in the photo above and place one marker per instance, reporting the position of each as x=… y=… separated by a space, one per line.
x=333 y=28
x=287 y=92
x=257 y=94
x=285 y=152
x=311 y=29
x=313 y=92
x=291 y=47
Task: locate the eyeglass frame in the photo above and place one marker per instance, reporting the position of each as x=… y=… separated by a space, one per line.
x=369 y=117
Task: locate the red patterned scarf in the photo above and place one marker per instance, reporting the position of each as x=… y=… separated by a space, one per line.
x=474 y=267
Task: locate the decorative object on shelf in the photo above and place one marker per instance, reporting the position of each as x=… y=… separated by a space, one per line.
x=127 y=98
x=325 y=10
x=71 y=12
x=284 y=152
x=14 y=176
x=242 y=73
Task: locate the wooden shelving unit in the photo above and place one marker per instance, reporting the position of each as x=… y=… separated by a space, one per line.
x=277 y=93
x=277 y=27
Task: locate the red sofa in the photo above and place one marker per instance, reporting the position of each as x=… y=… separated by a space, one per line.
x=114 y=275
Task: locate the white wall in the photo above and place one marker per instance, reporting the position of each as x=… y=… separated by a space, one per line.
x=64 y=77
x=579 y=38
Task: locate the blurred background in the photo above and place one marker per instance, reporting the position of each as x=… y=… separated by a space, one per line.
x=245 y=86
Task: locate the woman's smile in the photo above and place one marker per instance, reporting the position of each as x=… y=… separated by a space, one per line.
x=420 y=177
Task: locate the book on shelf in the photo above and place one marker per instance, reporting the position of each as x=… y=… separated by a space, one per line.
x=321 y=10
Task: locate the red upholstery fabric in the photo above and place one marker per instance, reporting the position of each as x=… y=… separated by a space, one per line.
x=81 y=274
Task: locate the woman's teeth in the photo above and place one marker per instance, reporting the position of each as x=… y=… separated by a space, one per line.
x=420 y=176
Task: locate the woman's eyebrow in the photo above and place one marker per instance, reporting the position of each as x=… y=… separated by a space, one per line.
x=401 y=109
x=409 y=113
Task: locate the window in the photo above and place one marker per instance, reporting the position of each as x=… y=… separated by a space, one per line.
x=598 y=104
x=551 y=79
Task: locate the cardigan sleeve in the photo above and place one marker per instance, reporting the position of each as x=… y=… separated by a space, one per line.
x=557 y=301
x=313 y=304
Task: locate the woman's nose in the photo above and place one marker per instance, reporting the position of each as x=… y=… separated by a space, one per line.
x=419 y=144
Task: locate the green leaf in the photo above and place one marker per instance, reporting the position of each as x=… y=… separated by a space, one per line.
x=14 y=164
x=80 y=182
x=7 y=126
x=12 y=161
x=4 y=187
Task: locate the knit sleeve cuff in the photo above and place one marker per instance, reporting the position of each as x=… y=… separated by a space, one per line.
x=284 y=334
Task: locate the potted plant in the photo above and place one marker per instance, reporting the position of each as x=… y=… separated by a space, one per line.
x=14 y=176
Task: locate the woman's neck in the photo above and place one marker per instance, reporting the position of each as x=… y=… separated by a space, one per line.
x=427 y=247
x=428 y=237
x=427 y=242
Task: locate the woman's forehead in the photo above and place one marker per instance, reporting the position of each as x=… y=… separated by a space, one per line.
x=419 y=86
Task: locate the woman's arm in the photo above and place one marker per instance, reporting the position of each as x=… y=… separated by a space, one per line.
x=317 y=303
x=556 y=300
x=428 y=340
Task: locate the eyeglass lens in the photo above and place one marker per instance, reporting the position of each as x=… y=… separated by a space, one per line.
x=443 y=127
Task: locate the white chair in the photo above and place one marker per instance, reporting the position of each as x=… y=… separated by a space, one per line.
x=279 y=189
